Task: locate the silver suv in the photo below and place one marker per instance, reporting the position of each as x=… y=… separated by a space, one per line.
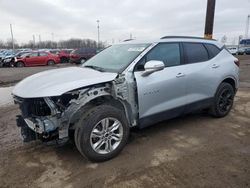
x=132 y=84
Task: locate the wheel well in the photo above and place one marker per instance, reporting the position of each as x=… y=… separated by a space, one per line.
x=95 y=102
x=107 y=100
x=231 y=82
x=20 y=62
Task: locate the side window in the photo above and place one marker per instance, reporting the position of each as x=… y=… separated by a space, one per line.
x=195 y=52
x=43 y=54
x=169 y=53
x=212 y=50
x=34 y=54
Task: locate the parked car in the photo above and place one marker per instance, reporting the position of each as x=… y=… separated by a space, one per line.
x=244 y=51
x=132 y=84
x=233 y=50
x=247 y=51
x=64 y=55
x=36 y=58
x=81 y=55
x=9 y=61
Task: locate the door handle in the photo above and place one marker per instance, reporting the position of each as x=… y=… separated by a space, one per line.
x=215 y=66
x=179 y=75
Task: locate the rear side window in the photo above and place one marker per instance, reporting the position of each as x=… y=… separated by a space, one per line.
x=212 y=50
x=195 y=52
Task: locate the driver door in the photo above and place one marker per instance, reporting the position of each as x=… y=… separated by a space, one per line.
x=162 y=94
x=31 y=59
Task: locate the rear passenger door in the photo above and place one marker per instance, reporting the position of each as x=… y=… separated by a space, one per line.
x=201 y=74
x=42 y=58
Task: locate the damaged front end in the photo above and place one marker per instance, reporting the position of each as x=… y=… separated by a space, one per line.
x=52 y=118
x=39 y=118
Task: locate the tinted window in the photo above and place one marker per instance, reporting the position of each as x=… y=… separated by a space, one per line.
x=195 y=52
x=169 y=53
x=213 y=50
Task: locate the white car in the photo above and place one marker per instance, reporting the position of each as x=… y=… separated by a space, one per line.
x=132 y=84
x=233 y=50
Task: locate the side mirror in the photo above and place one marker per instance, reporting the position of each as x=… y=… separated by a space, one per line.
x=27 y=56
x=152 y=66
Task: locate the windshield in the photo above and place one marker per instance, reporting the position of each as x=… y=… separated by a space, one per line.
x=115 y=58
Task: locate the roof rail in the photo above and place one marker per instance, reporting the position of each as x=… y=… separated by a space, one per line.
x=187 y=37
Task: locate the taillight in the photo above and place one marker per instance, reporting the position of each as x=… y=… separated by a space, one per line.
x=237 y=62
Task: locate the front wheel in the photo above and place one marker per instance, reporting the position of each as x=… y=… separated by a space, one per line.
x=223 y=100
x=102 y=133
x=20 y=64
x=51 y=63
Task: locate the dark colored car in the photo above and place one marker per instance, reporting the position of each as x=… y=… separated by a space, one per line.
x=244 y=51
x=80 y=55
x=247 y=51
x=36 y=59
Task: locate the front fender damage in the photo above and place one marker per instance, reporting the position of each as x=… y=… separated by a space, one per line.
x=119 y=90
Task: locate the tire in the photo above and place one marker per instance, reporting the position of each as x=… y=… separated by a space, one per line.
x=223 y=100
x=20 y=64
x=90 y=131
x=51 y=63
x=64 y=60
x=12 y=64
x=82 y=61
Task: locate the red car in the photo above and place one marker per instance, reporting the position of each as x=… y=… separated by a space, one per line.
x=64 y=55
x=81 y=55
x=37 y=58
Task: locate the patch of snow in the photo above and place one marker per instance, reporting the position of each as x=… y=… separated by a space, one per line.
x=6 y=98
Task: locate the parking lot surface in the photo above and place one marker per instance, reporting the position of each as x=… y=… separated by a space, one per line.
x=191 y=151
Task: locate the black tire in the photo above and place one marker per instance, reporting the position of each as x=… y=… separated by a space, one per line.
x=89 y=121
x=64 y=60
x=82 y=61
x=223 y=100
x=51 y=63
x=19 y=64
x=12 y=64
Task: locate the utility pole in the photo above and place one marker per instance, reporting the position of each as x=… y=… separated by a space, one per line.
x=209 y=19
x=98 y=33
x=12 y=38
x=52 y=36
x=34 y=40
x=247 y=26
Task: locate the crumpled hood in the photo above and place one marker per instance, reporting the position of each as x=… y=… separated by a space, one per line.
x=59 y=81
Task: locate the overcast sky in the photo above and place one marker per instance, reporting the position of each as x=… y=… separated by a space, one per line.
x=145 y=19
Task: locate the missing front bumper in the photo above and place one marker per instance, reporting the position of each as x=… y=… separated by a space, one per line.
x=27 y=134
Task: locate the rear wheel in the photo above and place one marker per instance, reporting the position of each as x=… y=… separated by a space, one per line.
x=20 y=64
x=51 y=62
x=102 y=133
x=64 y=60
x=223 y=100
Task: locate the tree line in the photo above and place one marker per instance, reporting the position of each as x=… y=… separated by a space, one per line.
x=70 y=44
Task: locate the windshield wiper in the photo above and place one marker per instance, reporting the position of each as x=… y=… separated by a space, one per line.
x=94 y=67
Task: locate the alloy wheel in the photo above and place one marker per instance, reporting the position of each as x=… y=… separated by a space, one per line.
x=106 y=135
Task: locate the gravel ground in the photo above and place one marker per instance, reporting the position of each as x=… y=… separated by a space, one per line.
x=192 y=151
